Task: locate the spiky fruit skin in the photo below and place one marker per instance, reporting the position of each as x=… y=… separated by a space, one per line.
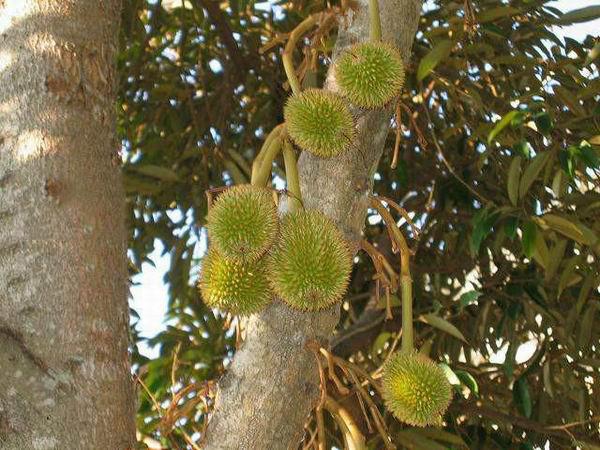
x=415 y=389
x=319 y=122
x=234 y=286
x=243 y=222
x=370 y=74
x=310 y=265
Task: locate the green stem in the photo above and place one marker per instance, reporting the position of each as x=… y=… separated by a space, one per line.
x=293 y=180
x=374 y=21
x=288 y=51
x=266 y=163
x=257 y=164
x=405 y=277
x=407 y=314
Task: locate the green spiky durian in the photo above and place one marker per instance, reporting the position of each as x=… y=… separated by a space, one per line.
x=370 y=74
x=232 y=285
x=415 y=389
x=310 y=265
x=319 y=122
x=243 y=222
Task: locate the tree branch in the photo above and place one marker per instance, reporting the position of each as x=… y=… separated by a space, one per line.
x=273 y=382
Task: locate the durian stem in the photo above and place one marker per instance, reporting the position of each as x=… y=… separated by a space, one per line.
x=407 y=314
x=405 y=277
x=352 y=435
x=266 y=163
x=257 y=164
x=293 y=180
x=288 y=51
x=374 y=21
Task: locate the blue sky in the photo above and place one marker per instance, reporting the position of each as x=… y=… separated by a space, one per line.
x=149 y=296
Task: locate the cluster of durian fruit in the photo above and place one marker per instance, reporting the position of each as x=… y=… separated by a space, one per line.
x=302 y=258
x=368 y=75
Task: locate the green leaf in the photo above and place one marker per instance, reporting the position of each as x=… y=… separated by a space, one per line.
x=510 y=227
x=522 y=397
x=547 y=376
x=532 y=171
x=468 y=297
x=589 y=156
x=568 y=228
x=586 y=325
x=443 y=325
x=491 y=14
x=412 y=438
x=581 y=15
x=555 y=258
x=503 y=123
x=483 y=222
x=528 y=239
x=512 y=183
x=541 y=253
x=450 y=375
x=442 y=435
x=159 y=172
x=437 y=54
x=467 y=379
x=543 y=122
x=379 y=342
x=568 y=275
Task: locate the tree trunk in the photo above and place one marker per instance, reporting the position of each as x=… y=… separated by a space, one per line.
x=272 y=384
x=65 y=381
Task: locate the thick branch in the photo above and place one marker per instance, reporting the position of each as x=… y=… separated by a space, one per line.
x=273 y=382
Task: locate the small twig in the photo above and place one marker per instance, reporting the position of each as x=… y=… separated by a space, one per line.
x=175 y=364
x=352 y=435
x=403 y=213
x=446 y=162
x=315 y=348
x=288 y=51
x=292 y=178
x=405 y=277
x=343 y=390
x=210 y=194
x=321 y=442
x=398 y=117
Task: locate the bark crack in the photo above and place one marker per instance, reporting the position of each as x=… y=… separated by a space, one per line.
x=18 y=339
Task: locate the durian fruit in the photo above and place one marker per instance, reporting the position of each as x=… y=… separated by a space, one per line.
x=370 y=74
x=243 y=222
x=319 y=122
x=235 y=286
x=415 y=389
x=310 y=265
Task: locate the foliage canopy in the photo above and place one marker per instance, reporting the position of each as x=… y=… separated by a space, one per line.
x=498 y=166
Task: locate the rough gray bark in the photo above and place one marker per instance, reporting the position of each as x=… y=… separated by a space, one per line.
x=273 y=383
x=65 y=381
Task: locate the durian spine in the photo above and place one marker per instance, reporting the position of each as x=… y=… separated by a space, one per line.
x=291 y=174
x=374 y=21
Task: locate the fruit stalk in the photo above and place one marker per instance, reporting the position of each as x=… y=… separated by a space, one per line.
x=405 y=277
x=293 y=181
x=288 y=51
x=258 y=160
x=374 y=21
